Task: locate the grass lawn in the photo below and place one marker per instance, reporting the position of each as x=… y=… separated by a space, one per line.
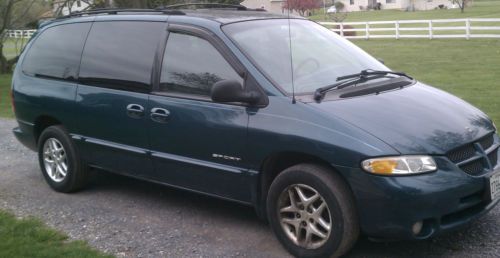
x=481 y=9
x=30 y=238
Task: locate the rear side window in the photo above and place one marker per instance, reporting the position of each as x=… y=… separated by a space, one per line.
x=56 y=52
x=191 y=65
x=120 y=55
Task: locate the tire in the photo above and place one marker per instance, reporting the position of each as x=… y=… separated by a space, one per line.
x=340 y=210
x=51 y=160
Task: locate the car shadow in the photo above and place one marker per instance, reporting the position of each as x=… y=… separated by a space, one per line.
x=169 y=197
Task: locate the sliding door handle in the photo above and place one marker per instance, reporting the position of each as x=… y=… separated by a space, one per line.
x=160 y=115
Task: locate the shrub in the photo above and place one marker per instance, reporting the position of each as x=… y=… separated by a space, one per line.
x=346 y=33
x=339 y=6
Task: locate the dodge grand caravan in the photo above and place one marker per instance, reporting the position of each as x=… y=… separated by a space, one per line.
x=266 y=110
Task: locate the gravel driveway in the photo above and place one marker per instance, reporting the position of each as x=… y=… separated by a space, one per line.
x=130 y=218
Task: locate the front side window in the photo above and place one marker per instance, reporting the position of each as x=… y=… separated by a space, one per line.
x=298 y=54
x=120 y=55
x=191 y=65
x=56 y=52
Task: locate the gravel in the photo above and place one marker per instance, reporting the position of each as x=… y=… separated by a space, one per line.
x=131 y=218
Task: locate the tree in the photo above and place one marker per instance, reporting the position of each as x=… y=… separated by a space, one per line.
x=461 y=4
x=301 y=6
x=92 y=4
x=16 y=14
x=61 y=4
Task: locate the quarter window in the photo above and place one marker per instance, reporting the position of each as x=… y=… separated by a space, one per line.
x=56 y=52
x=191 y=65
x=120 y=55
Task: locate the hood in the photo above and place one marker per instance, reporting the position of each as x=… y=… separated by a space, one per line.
x=415 y=120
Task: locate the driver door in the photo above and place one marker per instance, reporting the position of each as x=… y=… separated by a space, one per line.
x=198 y=144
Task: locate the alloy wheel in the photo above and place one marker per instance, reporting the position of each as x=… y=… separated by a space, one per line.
x=54 y=160
x=304 y=216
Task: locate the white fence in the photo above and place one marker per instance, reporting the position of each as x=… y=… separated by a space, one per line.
x=20 y=33
x=450 y=28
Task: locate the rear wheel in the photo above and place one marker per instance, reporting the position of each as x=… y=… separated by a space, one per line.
x=311 y=211
x=59 y=160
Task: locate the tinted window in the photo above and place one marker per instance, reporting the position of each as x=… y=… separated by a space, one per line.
x=56 y=52
x=120 y=55
x=191 y=65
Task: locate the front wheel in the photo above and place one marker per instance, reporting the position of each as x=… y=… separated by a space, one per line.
x=311 y=211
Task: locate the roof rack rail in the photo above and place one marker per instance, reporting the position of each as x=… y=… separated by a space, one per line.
x=120 y=10
x=208 y=6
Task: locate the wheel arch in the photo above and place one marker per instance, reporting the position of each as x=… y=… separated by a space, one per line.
x=41 y=123
x=275 y=163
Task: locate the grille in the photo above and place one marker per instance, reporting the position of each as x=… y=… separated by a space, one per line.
x=493 y=158
x=478 y=165
x=463 y=153
x=474 y=168
x=486 y=142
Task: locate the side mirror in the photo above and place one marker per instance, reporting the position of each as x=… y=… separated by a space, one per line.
x=381 y=60
x=231 y=91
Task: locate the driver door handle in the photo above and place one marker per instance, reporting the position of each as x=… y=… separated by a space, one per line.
x=160 y=115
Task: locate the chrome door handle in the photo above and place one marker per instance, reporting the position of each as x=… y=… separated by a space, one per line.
x=160 y=115
x=135 y=111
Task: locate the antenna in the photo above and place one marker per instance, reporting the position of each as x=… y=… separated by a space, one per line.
x=291 y=55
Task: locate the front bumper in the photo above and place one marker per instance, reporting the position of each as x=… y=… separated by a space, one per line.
x=443 y=200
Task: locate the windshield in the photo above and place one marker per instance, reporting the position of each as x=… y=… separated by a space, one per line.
x=319 y=55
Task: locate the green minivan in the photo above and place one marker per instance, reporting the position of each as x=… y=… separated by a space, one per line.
x=267 y=110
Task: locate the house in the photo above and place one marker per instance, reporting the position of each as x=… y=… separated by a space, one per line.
x=273 y=6
x=362 y=5
x=67 y=7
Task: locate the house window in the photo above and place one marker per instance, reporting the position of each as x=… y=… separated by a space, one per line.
x=351 y=2
x=390 y=1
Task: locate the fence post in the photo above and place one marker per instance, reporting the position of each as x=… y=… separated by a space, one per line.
x=397 y=29
x=342 y=29
x=367 y=30
x=430 y=29
x=467 y=28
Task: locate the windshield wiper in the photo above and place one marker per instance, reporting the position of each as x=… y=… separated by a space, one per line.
x=372 y=72
x=353 y=79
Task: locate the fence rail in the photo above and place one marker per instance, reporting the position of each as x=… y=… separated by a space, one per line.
x=448 y=28
x=26 y=34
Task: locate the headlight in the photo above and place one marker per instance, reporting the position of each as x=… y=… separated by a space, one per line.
x=399 y=165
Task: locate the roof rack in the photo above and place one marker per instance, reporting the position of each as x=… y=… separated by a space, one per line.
x=121 y=10
x=238 y=7
x=203 y=5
